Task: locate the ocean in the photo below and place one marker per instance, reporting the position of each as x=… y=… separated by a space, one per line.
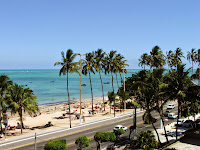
x=49 y=87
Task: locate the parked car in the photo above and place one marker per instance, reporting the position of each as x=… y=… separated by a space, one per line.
x=120 y=127
x=111 y=147
x=171 y=106
x=167 y=112
x=180 y=122
x=188 y=123
x=197 y=122
x=172 y=116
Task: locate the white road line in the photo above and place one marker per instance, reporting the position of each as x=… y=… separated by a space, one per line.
x=90 y=132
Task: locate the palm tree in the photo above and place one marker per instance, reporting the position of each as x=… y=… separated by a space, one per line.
x=158 y=98
x=134 y=126
x=157 y=58
x=110 y=67
x=169 y=59
x=145 y=92
x=111 y=98
x=197 y=59
x=177 y=55
x=22 y=99
x=123 y=95
x=99 y=58
x=88 y=68
x=120 y=64
x=145 y=96
x=68 y=66
x=144 y=60
x=191 y=57
x=177 y=82
x=5 y=83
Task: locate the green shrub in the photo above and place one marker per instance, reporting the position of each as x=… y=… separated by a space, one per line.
x=112 y=136
x=119 y=132
x=56 y=145
x=145 y=140
x=104 y=137
x=98 y=137
x=82 y=142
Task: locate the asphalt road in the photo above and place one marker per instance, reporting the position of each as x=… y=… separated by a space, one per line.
x=89 y=130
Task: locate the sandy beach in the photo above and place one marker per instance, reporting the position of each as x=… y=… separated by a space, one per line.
x=57 y=115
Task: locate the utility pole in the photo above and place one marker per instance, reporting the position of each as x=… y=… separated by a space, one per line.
x=35 y=142
x=80 y=85
x=124 y=89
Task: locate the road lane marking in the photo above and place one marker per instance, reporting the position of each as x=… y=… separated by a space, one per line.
x=70 y=128
x=78 y=131
x=62 y=135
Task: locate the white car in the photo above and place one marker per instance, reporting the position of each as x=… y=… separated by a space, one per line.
x=120 y=127
x=180 y=122
x=167 y=112
x=171 y=106
x=172 y=115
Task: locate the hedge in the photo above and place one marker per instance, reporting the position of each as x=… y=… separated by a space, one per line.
x=56 y=145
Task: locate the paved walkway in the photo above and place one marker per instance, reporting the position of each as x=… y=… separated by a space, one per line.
x=186 y=143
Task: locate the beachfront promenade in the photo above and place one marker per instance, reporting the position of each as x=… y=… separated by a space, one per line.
x=92 y=126
x=88 y=128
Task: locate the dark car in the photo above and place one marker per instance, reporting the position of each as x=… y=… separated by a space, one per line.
x=111 y=147
x=167 y=112
x=188 y=123
x=197 y=123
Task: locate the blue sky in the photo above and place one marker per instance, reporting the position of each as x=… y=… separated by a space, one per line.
x=34 y=32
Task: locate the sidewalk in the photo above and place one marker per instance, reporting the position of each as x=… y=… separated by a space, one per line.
x=31 y=136
x=171 y=131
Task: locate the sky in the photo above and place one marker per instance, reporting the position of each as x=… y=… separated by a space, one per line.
x=34 y=32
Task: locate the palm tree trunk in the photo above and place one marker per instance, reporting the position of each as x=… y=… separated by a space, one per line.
x=199 y=76
x=192 y=67
x=161 y=117
x=117 y=81
x=154 y=128
x=110 y=108
x=21 y=118
x=91 y=93
x=102 y=90
x=156 y=133
x=70 y=125
x=135 y=119
x=121 y=78
x=113 y=93
x=1 y=114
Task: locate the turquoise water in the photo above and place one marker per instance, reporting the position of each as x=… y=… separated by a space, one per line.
x=54 y=92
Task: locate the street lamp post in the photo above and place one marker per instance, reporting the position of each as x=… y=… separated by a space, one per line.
x=80 y=84
x=124 y=88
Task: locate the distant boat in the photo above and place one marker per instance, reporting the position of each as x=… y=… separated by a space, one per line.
x=52 y=81
x=84 y=84
x=106 y=82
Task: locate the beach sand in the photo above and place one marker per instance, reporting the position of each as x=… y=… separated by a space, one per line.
x=51 y=113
